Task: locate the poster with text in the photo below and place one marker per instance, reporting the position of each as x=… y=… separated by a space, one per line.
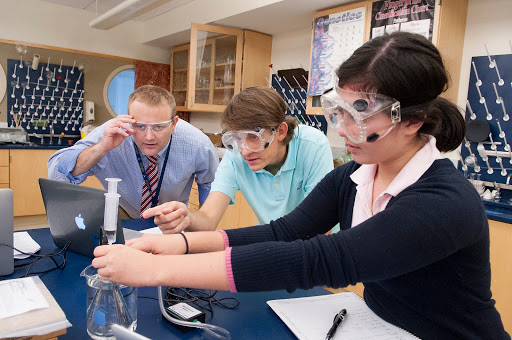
x=416 y=16
x=335 y=38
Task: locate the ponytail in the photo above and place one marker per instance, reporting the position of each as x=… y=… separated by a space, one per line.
x=444 y=121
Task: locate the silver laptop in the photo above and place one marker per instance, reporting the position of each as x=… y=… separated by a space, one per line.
x=6 y=232
x=75 y=215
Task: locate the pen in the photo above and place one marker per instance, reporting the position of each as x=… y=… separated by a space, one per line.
x=335 y=323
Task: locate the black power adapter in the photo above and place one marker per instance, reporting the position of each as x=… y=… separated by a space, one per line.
x=184 y=312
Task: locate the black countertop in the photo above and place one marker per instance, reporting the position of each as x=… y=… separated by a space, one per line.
x=32 y=146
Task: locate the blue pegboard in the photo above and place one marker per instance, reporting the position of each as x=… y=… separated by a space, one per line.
x=494 y=114
x=49 y=101
x=295 y=99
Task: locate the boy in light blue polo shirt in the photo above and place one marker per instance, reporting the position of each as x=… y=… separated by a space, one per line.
x=270 y=196
x=274 y=163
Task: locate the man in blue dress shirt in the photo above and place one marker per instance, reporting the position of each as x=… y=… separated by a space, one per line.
x=272 y=160
x=122 y=148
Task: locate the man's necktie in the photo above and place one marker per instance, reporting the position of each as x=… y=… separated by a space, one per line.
x=152 y=173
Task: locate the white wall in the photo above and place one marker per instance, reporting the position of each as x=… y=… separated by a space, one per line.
x=39 y=22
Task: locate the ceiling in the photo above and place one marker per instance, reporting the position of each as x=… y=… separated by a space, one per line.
x=271 y=17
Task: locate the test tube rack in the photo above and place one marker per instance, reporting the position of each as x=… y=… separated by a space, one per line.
x=294 y=94
x=490 y=100
x=46 y=102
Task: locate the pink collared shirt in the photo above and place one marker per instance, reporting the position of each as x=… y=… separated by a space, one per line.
x=410 y=173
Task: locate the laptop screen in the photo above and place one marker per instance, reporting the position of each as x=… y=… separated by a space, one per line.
x=6 y=232
x=75 y=215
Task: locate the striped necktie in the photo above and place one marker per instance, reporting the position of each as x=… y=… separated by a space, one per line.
x=152 y=173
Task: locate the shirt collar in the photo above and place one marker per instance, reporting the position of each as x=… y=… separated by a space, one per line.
x=291 y=156
x=409 y=174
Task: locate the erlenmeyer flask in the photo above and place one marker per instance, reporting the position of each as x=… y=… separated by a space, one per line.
x=108 y=303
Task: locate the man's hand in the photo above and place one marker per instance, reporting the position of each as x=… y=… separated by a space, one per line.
x=116 y=132
x=171 y=217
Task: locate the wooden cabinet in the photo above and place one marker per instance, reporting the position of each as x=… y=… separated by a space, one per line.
x=217 y=64
x=4 y=168
x=26 y=167
x=501 y=269
x=448 y=36
x=23 y=168
x=238 y=215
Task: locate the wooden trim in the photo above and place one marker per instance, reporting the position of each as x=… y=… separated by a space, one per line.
x=450 y=41
x=192 y=56
x=215 y=29
x=213 y=55
x=206 y=108
x=62 y=49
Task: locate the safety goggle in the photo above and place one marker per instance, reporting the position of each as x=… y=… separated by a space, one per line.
x=356 y=113
x=253 y=140
x=155 y=127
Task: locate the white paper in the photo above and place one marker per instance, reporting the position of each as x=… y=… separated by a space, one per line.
x=20 y=296
x=154 y=230
x=310 y=318
x=24 y=242
x=35 y=322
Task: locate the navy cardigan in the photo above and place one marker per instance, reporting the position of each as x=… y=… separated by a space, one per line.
x=424 y=260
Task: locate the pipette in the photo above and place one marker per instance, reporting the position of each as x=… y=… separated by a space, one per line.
x=111 y=208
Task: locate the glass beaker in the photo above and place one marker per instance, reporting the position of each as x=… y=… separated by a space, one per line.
x=108 y=303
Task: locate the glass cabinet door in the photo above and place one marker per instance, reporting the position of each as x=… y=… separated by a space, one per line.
x=215 y=66
x=179 y=67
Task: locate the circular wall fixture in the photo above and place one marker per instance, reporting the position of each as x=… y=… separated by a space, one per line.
x=3 y=83
x=118 y=86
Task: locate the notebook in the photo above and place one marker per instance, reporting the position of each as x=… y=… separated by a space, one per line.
x=310 y=318
x=75 y=215
x=6 y=232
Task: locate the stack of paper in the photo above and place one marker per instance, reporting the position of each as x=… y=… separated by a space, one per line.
x=310 y=318
x=27 y=308
x=24 y=242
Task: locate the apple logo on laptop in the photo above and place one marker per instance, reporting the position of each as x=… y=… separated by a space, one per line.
x=79 y=220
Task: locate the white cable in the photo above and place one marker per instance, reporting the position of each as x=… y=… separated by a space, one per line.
x=215 y=331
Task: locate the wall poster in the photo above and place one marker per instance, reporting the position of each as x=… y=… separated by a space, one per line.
x=416 y=16
x=335 y=38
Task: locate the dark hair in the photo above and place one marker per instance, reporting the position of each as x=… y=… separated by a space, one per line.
x=153 y=95
x=257 y=106
x=409 y=68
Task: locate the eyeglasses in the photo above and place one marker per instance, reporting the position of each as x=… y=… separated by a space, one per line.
x=253 y=140
x=356 y=114
x=155 y=127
